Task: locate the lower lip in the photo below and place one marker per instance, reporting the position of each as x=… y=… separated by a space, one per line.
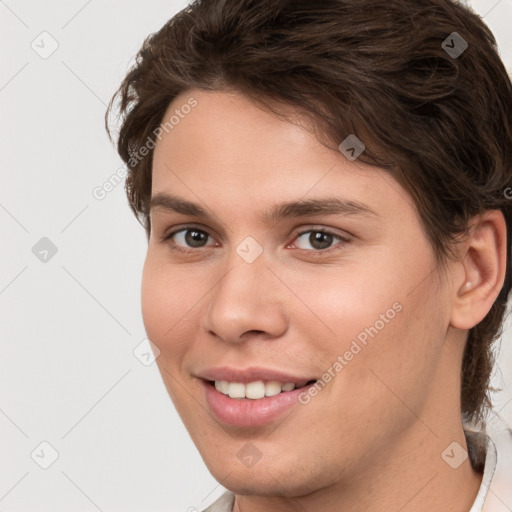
x=247 y=412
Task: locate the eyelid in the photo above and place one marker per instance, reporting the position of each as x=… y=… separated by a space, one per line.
x=323 y=230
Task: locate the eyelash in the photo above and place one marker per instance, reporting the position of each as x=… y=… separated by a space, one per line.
x=343 y=240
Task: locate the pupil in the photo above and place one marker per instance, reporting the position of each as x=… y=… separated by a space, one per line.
x=317 y=237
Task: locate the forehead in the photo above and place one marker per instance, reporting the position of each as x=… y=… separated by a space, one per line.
x=234 y=130
x=227 y=133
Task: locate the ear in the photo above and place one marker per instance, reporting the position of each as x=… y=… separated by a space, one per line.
x=480 y=271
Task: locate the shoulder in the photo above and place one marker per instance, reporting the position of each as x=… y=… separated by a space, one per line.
x=491 y=452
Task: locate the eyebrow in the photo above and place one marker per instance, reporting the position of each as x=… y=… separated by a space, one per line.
x=301 y=208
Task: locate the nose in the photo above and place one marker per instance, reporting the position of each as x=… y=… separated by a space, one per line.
x=247 y=302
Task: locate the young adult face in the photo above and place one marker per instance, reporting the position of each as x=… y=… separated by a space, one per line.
x=218 y=309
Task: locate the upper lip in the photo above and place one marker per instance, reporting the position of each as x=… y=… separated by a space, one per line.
x=251 y=374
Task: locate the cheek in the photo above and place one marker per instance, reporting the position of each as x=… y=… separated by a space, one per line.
x=345 y=303
x=167 y=299
x=396 y=360
x=384 y=316
x=373 y=298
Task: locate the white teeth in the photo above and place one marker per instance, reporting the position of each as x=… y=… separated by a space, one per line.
x=253 y=390
x=236 y=390
x=222 y=386
x=273 y=388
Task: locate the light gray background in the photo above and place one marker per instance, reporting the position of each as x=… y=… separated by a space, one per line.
x=68 y=375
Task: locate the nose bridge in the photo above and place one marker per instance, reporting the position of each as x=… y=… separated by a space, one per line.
x=245 y=298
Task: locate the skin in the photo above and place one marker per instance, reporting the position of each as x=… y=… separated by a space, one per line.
x=373 y=438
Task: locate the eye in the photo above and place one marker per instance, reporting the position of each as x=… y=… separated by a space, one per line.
x=188 y=238
x=319 y=239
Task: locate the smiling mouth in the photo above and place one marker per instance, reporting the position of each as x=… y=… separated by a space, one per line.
x=257 y=389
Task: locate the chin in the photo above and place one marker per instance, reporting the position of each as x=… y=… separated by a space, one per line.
x=263 y=479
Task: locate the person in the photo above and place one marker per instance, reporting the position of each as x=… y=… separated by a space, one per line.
x=326 y=193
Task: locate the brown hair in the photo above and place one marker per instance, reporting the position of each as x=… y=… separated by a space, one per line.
x=439 y=123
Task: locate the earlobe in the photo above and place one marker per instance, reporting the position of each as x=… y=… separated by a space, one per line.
x=482 y=270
